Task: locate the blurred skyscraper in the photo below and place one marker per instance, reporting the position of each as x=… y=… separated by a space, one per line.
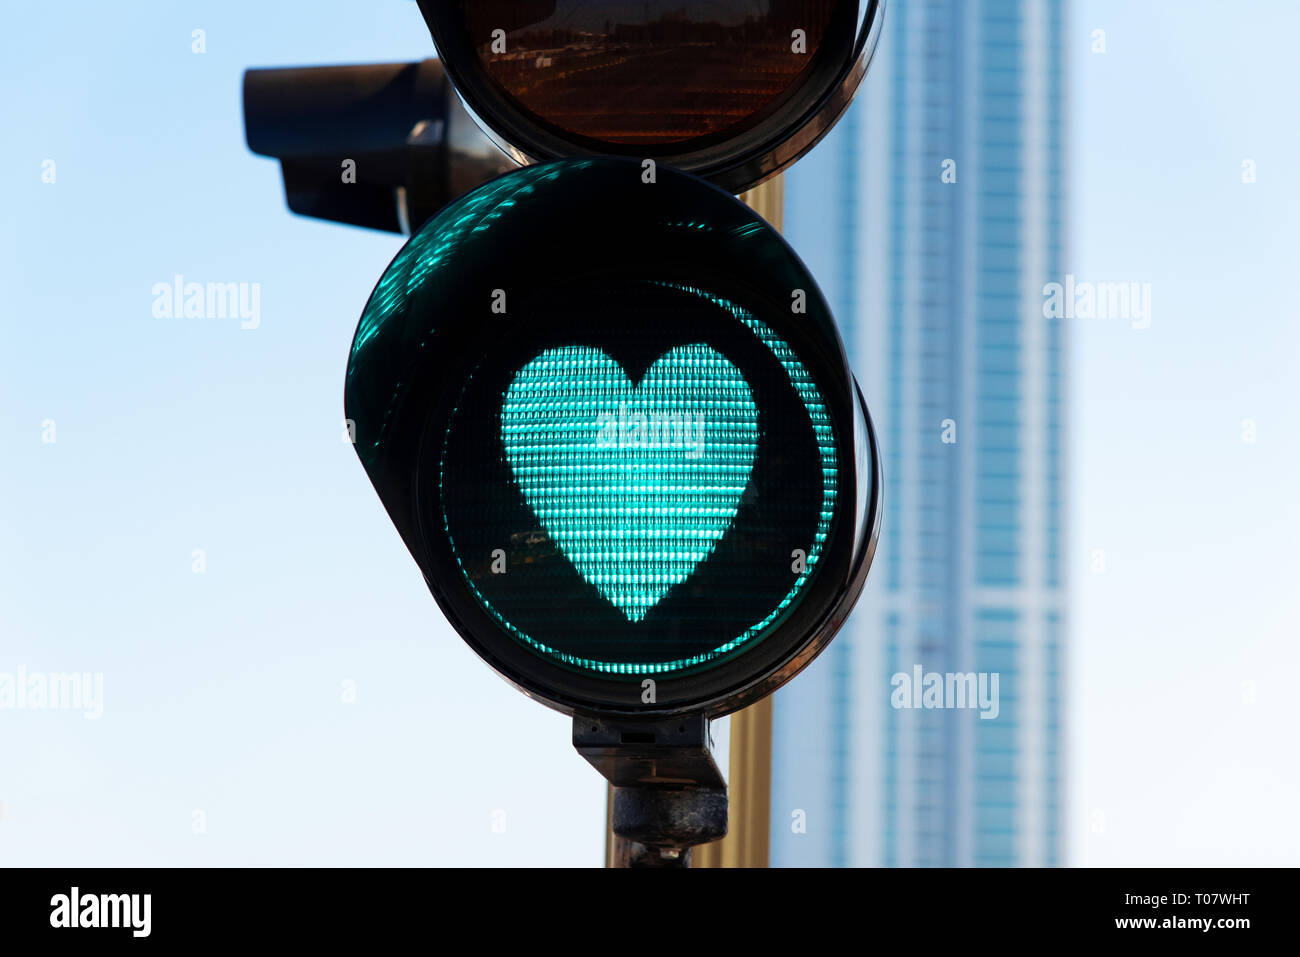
x=932 y=217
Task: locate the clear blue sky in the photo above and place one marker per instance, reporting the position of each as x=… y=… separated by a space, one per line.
x=222 y=691
x=1185 y=648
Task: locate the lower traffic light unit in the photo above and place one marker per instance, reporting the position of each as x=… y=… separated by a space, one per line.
x=609 y=413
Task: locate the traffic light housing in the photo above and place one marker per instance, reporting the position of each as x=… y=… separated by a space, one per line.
x=611 y=417
x=731 y=90
x=602 y=401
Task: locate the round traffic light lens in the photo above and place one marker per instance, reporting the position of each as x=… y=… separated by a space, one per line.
x=658 y=73
x=626 y=499
x=615 y=426
x=732 y=90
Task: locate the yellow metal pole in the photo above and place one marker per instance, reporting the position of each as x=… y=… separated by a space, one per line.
x=768 y=200
x=749 y=787
x=749 y=779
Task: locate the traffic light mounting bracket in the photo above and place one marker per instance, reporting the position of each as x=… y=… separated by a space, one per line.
x=669 y=794
x=383 y=146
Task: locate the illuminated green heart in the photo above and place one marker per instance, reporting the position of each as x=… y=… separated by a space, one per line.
x=634 y=484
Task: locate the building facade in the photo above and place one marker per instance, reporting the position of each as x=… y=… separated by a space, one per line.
x=932 y=217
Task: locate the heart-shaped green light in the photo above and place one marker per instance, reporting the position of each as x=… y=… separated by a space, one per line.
x=634 y=484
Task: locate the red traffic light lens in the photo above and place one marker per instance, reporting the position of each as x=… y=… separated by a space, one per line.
x=733 y=90
x=661 y=74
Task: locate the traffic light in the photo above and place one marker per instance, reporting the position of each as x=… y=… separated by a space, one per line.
x=732 y=90
x=603 y=402
x=614 y=423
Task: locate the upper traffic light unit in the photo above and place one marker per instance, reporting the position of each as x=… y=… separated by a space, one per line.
x=733 y=91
